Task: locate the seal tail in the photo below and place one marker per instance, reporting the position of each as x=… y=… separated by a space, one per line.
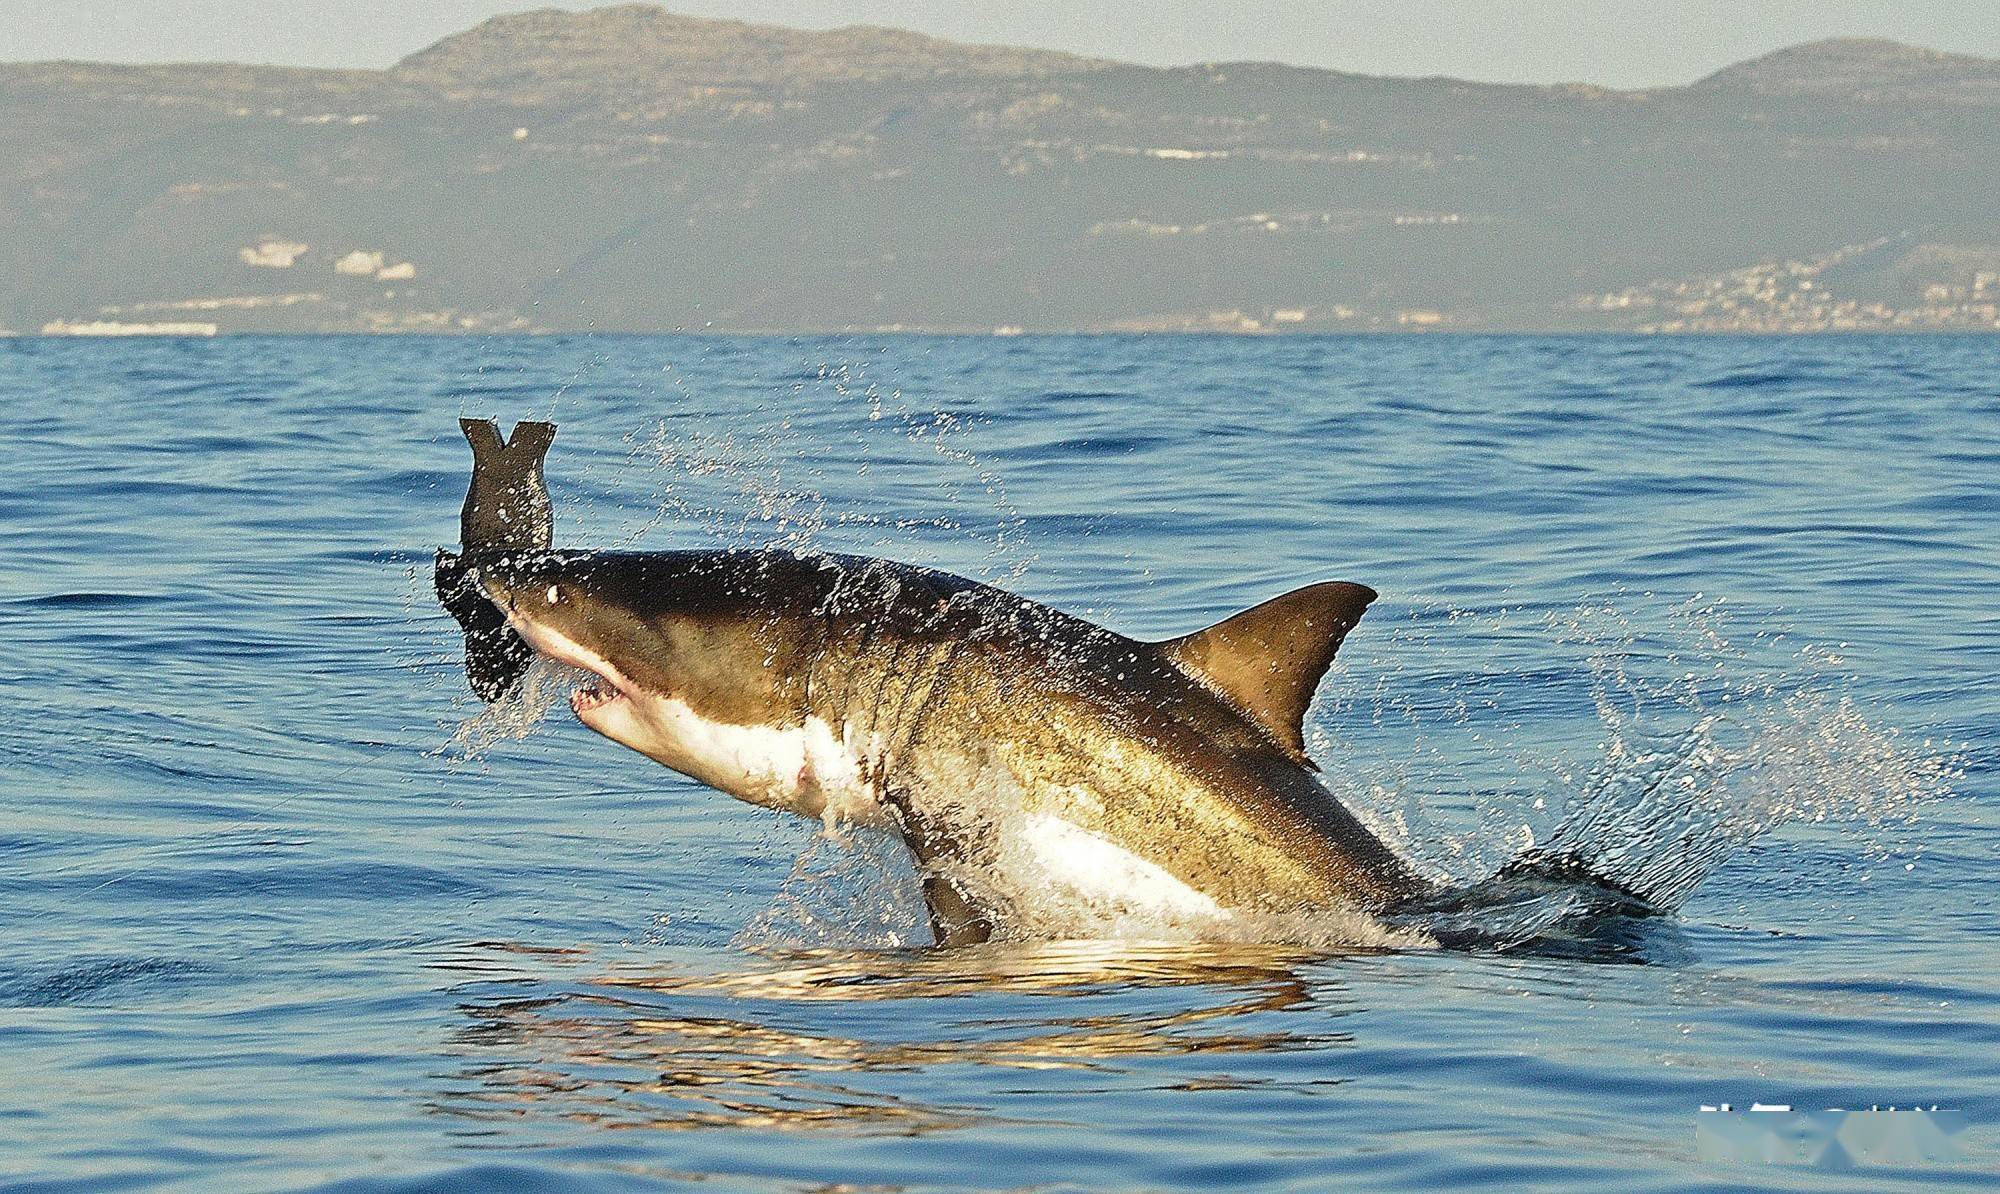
x=507 y=505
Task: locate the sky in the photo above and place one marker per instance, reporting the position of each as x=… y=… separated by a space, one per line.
x=1617 y=43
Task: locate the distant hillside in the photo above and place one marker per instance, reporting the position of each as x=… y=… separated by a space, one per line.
x=632 y=169
x=641 y=50
x=1862 y=66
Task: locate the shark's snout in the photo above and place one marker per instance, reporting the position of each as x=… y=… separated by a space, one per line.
x=552 y=615
x=514 y=583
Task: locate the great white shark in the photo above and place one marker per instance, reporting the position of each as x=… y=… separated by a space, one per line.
x=1016 y=749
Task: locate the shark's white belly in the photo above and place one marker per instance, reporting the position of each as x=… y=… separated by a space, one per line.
x=1050 y=875
x=1078 y=867
x=1047 y=877
x=810 y=769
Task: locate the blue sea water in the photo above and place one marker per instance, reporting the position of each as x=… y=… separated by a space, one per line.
x=283 y=908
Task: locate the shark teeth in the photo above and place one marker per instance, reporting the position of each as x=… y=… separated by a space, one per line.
x=594 y=693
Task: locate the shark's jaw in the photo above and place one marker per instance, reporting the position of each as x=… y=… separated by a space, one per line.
x=597 y=700
x=807 y=767
x=592 y=695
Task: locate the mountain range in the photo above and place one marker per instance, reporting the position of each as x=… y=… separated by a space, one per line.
x=631 y=169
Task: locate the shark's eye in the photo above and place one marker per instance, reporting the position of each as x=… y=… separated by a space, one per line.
x=555 y=594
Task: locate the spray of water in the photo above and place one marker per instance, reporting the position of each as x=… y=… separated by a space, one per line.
x=1665 y=748
x=763 y=484
x=852 y=887
x=1704 y=752
x=543 y=687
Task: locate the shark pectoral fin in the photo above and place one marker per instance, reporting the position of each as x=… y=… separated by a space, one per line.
x=954 y=919
x=1268 y=659
x=507 y=504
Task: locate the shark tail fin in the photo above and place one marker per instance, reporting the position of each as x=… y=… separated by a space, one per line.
x=1569 y=867
x=1267 y=660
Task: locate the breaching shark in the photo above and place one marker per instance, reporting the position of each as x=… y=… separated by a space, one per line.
x=1015 y=748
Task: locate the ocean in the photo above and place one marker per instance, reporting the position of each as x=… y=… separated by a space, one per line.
x=285 y=907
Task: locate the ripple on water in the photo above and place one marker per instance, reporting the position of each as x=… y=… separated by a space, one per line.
x=266 y=925
x=102 y=980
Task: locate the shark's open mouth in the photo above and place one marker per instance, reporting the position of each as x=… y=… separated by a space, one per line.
x=594 y=693
x=599 y=686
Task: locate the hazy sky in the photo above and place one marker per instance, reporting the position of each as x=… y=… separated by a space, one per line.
x=1622 y=43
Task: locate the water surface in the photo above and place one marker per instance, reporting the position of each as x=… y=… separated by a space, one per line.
x=277 y=916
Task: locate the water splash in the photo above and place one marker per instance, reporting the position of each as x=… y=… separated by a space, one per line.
x=543 y=687
x=853 y=887
x=1704 y=743
x=1661 y=819
x=1760 y=749
x=764 y=482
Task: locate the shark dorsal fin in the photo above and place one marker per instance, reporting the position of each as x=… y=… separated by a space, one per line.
x=507 y=504
x=1268 y=659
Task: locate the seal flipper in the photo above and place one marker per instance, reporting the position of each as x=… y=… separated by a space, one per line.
x=495 y=656
x=506 y=510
